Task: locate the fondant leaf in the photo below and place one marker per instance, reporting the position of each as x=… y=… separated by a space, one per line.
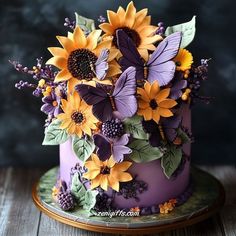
x=78 y=189
x=188 y=30
x=54 y=135
x=134 y=126
x=87 y=25
x=171 y=160
x=83 y=147
x=143 y=152
x=90 y=199
x=184 y=137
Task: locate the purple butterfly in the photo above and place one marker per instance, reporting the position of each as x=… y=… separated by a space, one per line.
x=177 y=84
x=102 y=65
x=115 y=147
x=159 y=66
x=122 y=100
x=166 y=130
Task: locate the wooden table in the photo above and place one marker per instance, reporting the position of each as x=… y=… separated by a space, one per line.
x=19 y=216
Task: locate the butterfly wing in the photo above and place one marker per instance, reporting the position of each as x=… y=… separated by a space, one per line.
x=176 y=89
x=124 y=93
x=131 y=56
x=102 y=64
x=98 y=98
x=103 y=147
x=160 y=66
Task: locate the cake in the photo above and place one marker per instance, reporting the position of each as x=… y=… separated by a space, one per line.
x=119 y=107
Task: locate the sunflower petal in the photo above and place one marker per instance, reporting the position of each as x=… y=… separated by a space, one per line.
x=163 y=94
x=148 y=30
x=119 y=167
x=147 y=114
x=71 y=84
x=104 y=182
x=124 y=177
x=56 y=51
x=150 y=40
x=143 y=94
x=156 y=116
x=113 y=19
x=91 y=174
x=63 y=75
x=140 y=16
x=164 y=112
x=154 y=90
x=113 y=183
x=96 y=182
x=143 y=104
x=107 y=28
x=106 y=44
x=59 y=62
x=66 y=43
x=167 y=103
x=92 y=39
x=121 y=14
x=130 y=15
x=79 y=38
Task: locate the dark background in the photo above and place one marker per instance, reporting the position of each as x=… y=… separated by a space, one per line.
x=27 y=28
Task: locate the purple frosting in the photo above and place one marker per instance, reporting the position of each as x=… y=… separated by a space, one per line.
x=160 y=188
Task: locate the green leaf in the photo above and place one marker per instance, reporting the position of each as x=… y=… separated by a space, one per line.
x=90 y=199
x=134 y=126
x=184 y=137
x=54 y=135
x=78 y=189
x=142 y=151
x=188 y=29
x=83 y=147
x=85 y=24
x=171 y=160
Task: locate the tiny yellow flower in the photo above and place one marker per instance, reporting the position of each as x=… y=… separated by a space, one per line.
x=47 y=91
x=41 y=83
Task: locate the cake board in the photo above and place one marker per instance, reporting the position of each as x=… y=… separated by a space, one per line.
x=207 y=199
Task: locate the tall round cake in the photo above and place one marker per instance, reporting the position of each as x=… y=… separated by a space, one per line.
x=119 y=107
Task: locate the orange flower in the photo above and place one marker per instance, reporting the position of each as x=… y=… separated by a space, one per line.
x=77 y=58
x=135 y=209
x=77 y=117
x=183 y=60
x=167 y=207
x=135 y=24
x=107 y=174
x=153 y=102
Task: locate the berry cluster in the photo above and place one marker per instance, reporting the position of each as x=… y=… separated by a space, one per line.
x=113 y=128
x=103 y=202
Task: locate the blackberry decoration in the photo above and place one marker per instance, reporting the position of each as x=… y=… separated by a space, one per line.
x=103 y=202
x=113 y=128
x=65 y=198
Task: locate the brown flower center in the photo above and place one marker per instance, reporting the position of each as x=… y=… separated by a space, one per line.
x=77 y=117
x=81 y=64
x=55 y=103
x=178 y=63
x=105 y=171
x=131 y=33
x=153 y=104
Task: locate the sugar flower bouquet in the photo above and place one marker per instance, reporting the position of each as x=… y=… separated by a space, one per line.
x=117 y=92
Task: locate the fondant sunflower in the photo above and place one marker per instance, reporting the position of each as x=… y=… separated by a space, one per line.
x=79 y=57
x=183 y=60
x=135 y=24
x=153 y=102
x=77 y=118
x=106 y=174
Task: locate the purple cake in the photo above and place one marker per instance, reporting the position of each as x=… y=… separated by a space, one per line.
x=119 y=107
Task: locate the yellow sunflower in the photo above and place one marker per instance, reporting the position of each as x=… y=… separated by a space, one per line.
x=106 y=174
x=77 y=58
x=153 y=102
x=77 y=117
x=135 y=24
x=183 y=60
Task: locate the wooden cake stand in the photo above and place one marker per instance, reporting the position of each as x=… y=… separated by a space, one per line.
x=207 y=198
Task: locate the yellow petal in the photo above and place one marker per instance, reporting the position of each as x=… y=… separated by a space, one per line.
x=113 y=183
x=150 y=40
x=78 y=131
x=142 y=104
x=148 y=30
x=70 y=36
x=143 y=94
x=96 y=182
x=154 y=90
x=163 y=94
x=71 y=128
x=91 y=174
x=113 y=54
x=103 y=45
x=147 y=87
x=107 y=28
x=123 y=166
x=150 y=47
x=156 y=116
x=63 y=75
x=112 y=71
x=91 y=165
x=144 y=53
x=124 y=177
x=66 y=43
x=71 y=84
x=121 y=14
x=104 y=182
x=86 y=129
x=59 y=62
x=92 y=39
x=65 y=123
x=130 y=15
x=147 y=114
x=113 y=19
x=79 y=38
x=164 y=112
x=140 y=16
x=56 y=51
x=167 y=103
x=146 y=21
x=96 y=160
x=111 y=162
